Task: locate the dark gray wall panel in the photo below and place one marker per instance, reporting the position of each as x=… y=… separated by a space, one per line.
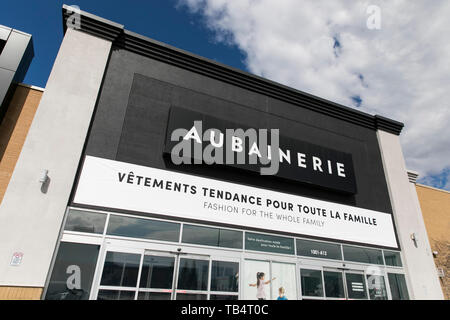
x=130 y=123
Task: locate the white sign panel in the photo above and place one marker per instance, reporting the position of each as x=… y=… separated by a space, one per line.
x=16 y=259
x=119 y=185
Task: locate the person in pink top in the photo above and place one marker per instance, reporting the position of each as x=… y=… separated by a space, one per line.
x=260 y=285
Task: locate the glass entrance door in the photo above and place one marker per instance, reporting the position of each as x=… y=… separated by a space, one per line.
x=137 y=274
x=192 y=278
x=335 y=284
x=119 y=276
x=277 y=280
x=129 y=274
x=332 y=283
x=355 y=285
x=344 y=284
x=157 y=276
x=369 y=285
x=207 y=277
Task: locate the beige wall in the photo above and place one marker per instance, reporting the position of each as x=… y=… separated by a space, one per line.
x=435 y=205
x=20 y=293
x=14 y=129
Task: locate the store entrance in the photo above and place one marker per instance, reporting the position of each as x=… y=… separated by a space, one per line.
x=143 y=274
x=342 y=284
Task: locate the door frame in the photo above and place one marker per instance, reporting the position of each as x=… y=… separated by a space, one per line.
x=328 y=265
x=365 y=285
x=178 y=251
x=343 y=267
x=344 y=283
x=158 y=254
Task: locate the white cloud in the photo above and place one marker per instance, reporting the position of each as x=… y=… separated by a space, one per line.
x=401 y=71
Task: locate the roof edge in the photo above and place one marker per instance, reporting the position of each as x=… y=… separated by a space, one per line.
x=30 y=86
x=432 y=188
x=160 y=51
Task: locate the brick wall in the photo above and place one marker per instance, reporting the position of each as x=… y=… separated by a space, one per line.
x=435 y=205
x=20 y=293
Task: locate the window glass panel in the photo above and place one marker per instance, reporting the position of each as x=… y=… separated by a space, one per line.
x=230 y=239
x=154 y=296
x=2 y=45
x=334 y=284
x=120 y=269
x=157 y=272
x=191 y=296
x=392 y=258
x=397 y=283
x=73 y=272
x=115 y=295
x=318 y=249
x=193 y=274
x=225 y=276
x=377 y=287
x=222 y=297
x=85 y=221
x=284 y=274
x=251 y=270
x=356 y=286
x=212 y=236
x=364 y=255
x=269 y=243
x=143 y=228
x=311 y=282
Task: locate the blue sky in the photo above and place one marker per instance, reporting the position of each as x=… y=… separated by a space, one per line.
x=157 y=19
x=318 y=46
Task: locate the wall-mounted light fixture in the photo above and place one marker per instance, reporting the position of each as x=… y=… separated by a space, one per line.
x=44 y=177
x=44 y=180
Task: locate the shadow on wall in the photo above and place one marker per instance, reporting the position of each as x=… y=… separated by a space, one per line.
x=10 y=116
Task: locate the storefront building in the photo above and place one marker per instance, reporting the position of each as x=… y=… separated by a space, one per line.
x=97 y=208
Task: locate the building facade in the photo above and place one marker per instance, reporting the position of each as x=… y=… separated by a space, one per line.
x=98 y=206
x=435 y=205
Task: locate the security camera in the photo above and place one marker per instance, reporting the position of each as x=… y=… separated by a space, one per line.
x=179 y=249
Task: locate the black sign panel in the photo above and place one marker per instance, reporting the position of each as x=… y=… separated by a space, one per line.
x=297 y=160
x=318 y=249
x=269 y=243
